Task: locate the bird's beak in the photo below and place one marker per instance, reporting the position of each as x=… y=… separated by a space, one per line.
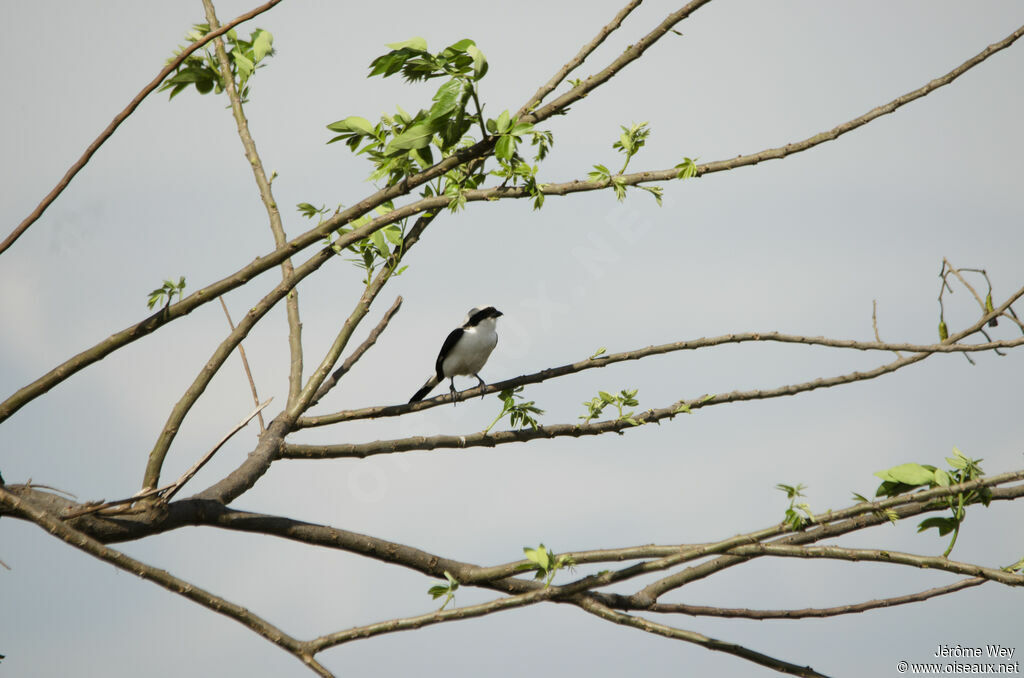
x=497 y=313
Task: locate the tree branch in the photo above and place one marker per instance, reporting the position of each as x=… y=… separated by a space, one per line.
x=880 y=556
x=357 y=354
x=594 y=607
x=631 y=54
x=577 y=60
x=743 y=613
x=245 y=366
x=121 y=117
x=610 y=359
x=267 y=195
x=81 y=541
x=830 y=524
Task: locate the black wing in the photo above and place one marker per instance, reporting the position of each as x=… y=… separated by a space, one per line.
x=446 y=348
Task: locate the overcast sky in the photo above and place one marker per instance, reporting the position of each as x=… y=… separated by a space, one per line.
x=801 y=245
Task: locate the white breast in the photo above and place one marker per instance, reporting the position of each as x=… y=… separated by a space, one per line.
x=472 y=350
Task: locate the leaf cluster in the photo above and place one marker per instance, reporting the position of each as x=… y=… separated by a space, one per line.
x=372 y=251
x=401 y=144
x=166 y=291
x=202 y=70
x=520 y=414
x=626 y=398
x=545 y=563
x=798 y=515
x=447 y=590
x=629 y=143
x=909 y=477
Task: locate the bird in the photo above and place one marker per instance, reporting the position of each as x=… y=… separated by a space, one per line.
x=465 y=351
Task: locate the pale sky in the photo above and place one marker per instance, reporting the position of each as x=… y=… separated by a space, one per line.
x=801 y=245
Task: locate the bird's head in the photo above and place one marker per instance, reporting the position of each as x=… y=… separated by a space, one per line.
x=478 y=314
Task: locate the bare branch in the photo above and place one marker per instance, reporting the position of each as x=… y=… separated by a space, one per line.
x=631 y=54
x=189 y=474
x=742 y=613
x=594 y=607
x=79 y=540
x=578 y=60
x=438 y=617
x=316 y=379
x=881 y=556
x=357 y=354
x=121 y=117
x=245 y=366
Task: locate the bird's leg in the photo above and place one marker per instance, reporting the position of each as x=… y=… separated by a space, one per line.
x=482 y=385
x=452 y=390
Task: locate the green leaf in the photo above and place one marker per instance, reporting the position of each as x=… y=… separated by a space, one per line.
x=393 y=232
x=244 y=64
x=479 y=62
x=418 y=44
x=943 y=525
x=943 y=330
x=957 y=462
x=417 y=136
x=354 y=124
x=505 y=147
x=262 y=44
x=687 y=169
x=942 y=478
x=447 y=98
x=909 y=474
x=503 y=123
x=381 y=242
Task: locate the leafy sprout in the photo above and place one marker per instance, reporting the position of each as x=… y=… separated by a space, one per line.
x=545 y=563
x=798 y=515
x=202 y=69
x=402 y=144
x=909 y=477
x=447 y=590
x=626 y=398
x=519 y=414
x=166 y=291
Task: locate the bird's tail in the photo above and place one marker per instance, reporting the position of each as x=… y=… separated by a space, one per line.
x=422 y=393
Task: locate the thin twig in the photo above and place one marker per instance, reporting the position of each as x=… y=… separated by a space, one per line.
x=577 y=60
x=245 y=366
x=121 y=117
x=874 y=324
x=273 y=214
x=357 y=354
x=180 y=482
x=881 y=556
x=592 y=606
x=817 y=612
x=362 y=307
x=100 y=505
